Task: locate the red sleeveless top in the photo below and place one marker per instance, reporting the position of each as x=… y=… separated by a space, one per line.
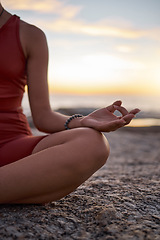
x=13 y=122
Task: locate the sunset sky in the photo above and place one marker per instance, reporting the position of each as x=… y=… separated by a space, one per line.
x=98 y=46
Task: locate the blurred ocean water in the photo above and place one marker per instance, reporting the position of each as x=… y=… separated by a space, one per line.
x=149 y=105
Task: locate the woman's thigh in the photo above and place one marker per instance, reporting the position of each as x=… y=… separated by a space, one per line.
x=87 y=135
x=59 y=138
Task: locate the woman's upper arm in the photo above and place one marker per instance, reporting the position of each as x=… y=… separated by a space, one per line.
x=37 y=68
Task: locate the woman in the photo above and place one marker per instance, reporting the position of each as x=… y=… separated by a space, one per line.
x=44 y=168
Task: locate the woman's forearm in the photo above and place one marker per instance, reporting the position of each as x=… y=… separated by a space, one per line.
x=102 y=120
x=51 y=121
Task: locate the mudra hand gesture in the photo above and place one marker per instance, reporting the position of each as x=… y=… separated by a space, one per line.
x=104 y=119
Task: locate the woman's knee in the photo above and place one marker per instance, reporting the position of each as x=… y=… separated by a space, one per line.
x=95 y=147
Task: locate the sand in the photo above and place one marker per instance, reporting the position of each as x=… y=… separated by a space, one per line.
x=120 y=201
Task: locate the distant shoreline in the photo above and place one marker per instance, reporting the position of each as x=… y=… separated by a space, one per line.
x=144 y=118
x=150 y=129
x=86 y=111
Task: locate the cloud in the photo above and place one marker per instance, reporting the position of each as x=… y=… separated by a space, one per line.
x=48 y=6
x=153 y=34
x=67 y=21
x=124 y=48
x=101 y=28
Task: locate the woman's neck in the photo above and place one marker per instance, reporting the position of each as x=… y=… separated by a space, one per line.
x=1 y=11
x=4 y=17
x=1 y=8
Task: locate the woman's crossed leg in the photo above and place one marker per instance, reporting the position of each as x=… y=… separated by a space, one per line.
x=58 y=165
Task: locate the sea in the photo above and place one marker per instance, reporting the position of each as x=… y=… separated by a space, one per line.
x=149 y=105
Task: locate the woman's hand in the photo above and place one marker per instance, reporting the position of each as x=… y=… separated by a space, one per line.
x=104 y=119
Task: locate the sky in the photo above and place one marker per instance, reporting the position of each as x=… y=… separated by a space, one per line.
x=98 y=46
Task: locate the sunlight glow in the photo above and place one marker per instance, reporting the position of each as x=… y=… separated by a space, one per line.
x=96 y=54
x=95 y=73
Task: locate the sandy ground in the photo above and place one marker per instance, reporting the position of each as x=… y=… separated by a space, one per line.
x=121 y=201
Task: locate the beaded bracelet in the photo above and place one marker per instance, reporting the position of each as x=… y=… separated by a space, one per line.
x=70 y=119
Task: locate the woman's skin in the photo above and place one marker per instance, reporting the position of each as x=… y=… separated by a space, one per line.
x=65 y=158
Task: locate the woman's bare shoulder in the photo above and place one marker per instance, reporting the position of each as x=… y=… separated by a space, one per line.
x=31 y=30
x=31 y=36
